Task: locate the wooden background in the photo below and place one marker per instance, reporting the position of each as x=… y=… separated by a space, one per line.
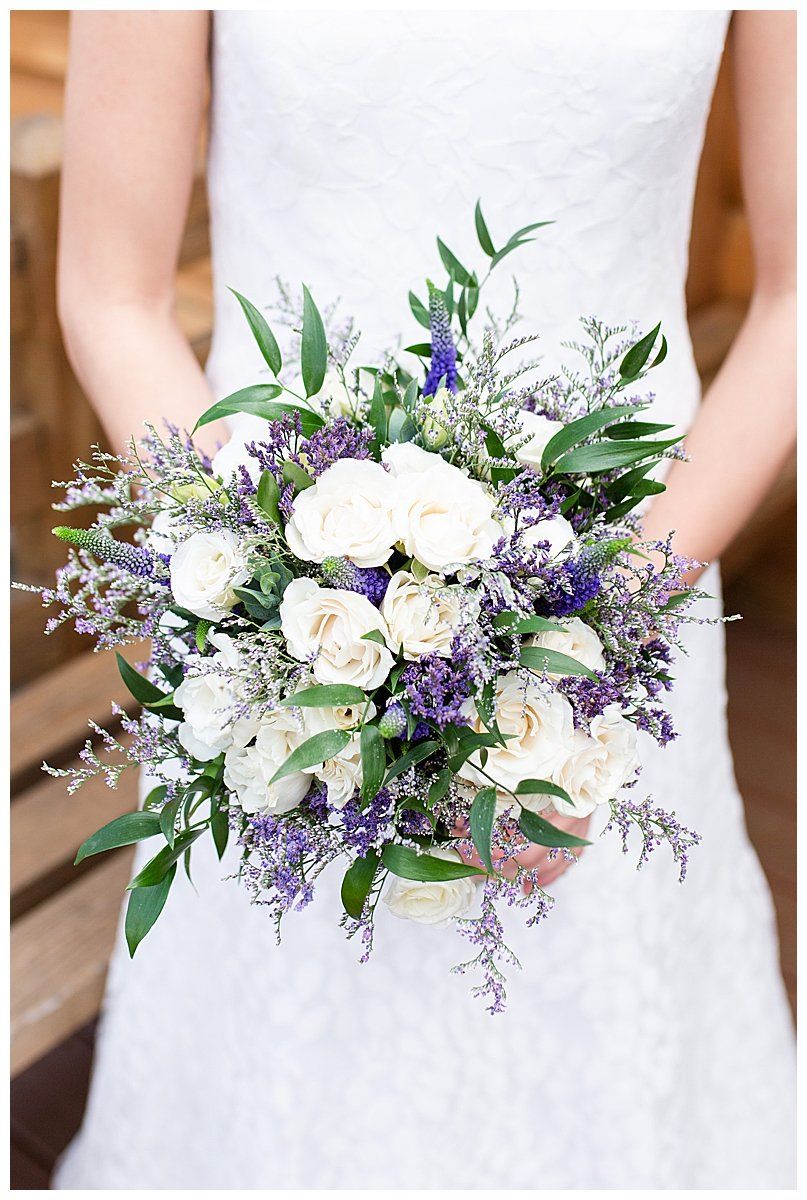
x=64 y=920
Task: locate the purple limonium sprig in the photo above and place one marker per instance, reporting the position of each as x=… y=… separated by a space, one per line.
x=444 y=352
x=656 y=827
x=335 y=441
x=437 y=688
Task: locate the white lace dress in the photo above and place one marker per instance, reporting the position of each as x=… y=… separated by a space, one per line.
x=647 y=1041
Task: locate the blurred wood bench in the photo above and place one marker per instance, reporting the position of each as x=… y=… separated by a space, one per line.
x=64 y=918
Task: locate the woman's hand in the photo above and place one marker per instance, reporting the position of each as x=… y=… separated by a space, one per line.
x=549 y=869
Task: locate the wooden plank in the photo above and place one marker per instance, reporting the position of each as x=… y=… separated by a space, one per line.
x=38 y=42
x=48 y=826
x=49 y=716
x=59 y=956
x=30 y=486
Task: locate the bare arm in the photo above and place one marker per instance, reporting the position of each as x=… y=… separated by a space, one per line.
x=133 y=109
x=746 y=425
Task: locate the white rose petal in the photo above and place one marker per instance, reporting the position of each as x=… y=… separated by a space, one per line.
x=576 y=639
x=540 y=732
x=422 y=617
x=602 y=761
x=208 y=698
x=233 y=454
x=326 y=626
x=347 y=512
x=248 y=770
x=204 y=570
x=538 y=430
x=433 y=902
x=555 y=530
x=443 y=517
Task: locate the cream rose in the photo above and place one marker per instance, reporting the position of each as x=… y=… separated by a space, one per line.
x=421 y=617
x=555 y=530
x=326 y=626
x=248 y=770
x=341 y=774
x=233 y=454
x=347 y=512
x=204 y=570
x=535 y=433
x=576 y=639
x=601 y=762
x=207 y=696
x=433 y=902
x=540 y=732
x=442 y=517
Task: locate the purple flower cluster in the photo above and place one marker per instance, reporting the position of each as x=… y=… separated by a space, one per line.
x=337 y=440
x=364 y=828
x=371 y=582
x=444 y=353
x=437 y=688
x=656 y=827
x=274 y=866
x=570 y=586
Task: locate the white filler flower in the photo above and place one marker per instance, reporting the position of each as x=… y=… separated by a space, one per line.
x=441 y=515
x=326 y=626
x=347 y=513
x=204 y=571
x=433 y=902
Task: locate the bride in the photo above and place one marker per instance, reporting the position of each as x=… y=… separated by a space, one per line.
x=648 y=1041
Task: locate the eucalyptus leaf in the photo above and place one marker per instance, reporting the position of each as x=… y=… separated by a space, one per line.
x=168 y=818
x=413 y=756
x=260 y=400
x=540 y=658
x=325 y=695
x=373 y=760
x=482 y=232
x=377 y=414
x=512 y=623
x=144 y=907
x=220 y=829
x=268 y=496
x=483 y=814
x=143 y=690
x=542 y=787
x=261 y=332
x=315 y=750
x=357 y=883
x=158 y=867
x=314 y=350
x=631 y=366
x=605 y=456
x=123 y=831
x=453 y=265
x=580 y=430
x=408 y=864
x=419 y=311
x=544 y=833
x=293 y=473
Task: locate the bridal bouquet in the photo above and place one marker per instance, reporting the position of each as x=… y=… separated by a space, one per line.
x=405 y=626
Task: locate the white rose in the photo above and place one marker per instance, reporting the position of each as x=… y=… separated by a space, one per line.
x=432 y=902
x=602 y=762
x=540 y=732
x=208 y=697
x=576 y=639
x=346 y=513
x=330 y=624
x=204 y=570
x=442 y=517
x=341 y=774
x=248 y=770
x=233 y=454
x=538 y=431
x=161 y=536
x=555 y=530
x=421 y=617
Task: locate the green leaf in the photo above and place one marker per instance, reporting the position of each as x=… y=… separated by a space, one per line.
x=580 y=430
x=143 y=690
x=325 y=695
x=412 y=757
x=605 y=456
x=220 y=829
x=624 y=485
x=357 y=883
x=439 y=788
x=453 y=265
x=544 y=833
x=377 y=414
x=314 y=351
x=631 y=366
x=123 y=831
x=512 y=623
x=419 y=311
x=408 y=864
x=540 y=658
x=155 y=796
x=647 y=487
x=315 y=750
x=144 y=907
x=520 y=233
x=421 y=349
x=168 y=818
x=401 y=426
x=373 y=760
x=518 y=239
x=294 y=474
x=260 y=400
x=542 y=787
x=676 y=601
x=636 y=429
x=158 y=867
x=483 y=813
x=261 y=332
x=374 y=635
x=268 y=496
x=482 y=232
